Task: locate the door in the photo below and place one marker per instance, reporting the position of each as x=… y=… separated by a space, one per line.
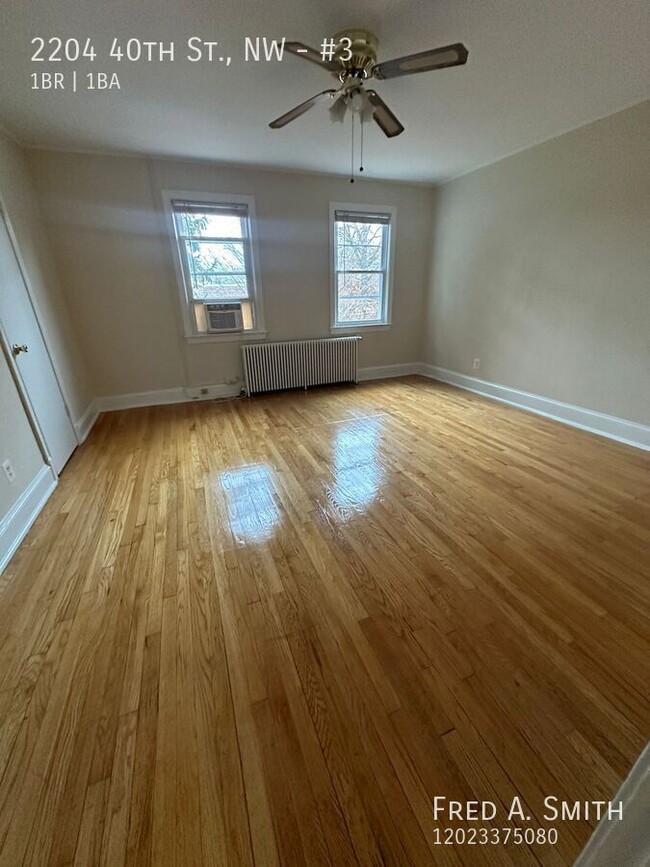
x=33 y=367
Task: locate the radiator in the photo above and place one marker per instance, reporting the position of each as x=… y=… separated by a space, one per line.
x=299 y=363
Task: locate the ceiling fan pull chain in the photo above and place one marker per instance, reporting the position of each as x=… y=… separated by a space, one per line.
x=361 y=151
x=352 y=149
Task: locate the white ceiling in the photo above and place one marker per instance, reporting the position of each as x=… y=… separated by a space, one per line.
x=536 y=68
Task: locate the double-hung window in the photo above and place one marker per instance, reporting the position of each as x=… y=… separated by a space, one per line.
x=215 y=260
x=362 y=245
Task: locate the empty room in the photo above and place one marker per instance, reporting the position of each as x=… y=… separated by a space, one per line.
x=324 y=433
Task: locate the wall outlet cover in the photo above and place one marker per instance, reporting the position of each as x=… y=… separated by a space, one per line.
x=477 y=364
x=9 y=471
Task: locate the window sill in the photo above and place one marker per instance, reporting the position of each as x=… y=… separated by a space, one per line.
x=345 y=329
x=234 y=337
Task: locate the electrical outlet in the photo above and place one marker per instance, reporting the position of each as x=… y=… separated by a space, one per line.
x=9 y=471
x=477 y=364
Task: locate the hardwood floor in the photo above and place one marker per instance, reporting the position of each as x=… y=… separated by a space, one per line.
x=272 y=631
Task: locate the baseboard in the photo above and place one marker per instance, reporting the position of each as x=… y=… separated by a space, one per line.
x=389 y=371
x=23 y=513
x=84 y=425
x=166 y=396
x=619 y=429
x=609 y=426
x=214 y=392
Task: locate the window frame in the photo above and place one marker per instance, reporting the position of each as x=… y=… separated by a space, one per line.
x=183 y=281
x=386 y=319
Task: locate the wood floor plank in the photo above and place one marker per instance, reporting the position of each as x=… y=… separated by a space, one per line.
x=272 y=631
x=164 y=829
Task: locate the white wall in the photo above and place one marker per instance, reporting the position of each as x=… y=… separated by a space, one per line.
x=21 y=207
x=542 y=269
x=103 y=216
x=17 y=442
x=540 y=266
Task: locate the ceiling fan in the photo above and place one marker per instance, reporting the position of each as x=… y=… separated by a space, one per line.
x=351 y=57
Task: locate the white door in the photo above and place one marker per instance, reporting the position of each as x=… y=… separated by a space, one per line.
x=34 y=369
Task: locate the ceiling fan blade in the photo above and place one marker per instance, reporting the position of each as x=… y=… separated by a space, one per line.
x=311 y=54
x=436 y=58
x=284 y=119
x=383 y=116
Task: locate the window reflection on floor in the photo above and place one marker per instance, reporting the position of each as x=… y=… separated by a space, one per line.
x=356 y=468
x=253 y=512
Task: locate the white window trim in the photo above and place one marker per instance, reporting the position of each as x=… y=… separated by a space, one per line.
x=184 y=293
x=388 y=294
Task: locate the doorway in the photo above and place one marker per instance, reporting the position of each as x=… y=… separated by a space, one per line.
x=29 y=358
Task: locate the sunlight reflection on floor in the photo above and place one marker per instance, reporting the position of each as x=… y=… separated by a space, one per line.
x=356 y=467
x=253 y=512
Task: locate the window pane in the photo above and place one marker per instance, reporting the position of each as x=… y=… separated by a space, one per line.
x=209 y=225
x=358 y=310
x=359 y=257
x=359 y=233
x=359 y=246
x=220 y=287
x=205 y=256
x=359 y=297
x=217 y=270
x=359 y=285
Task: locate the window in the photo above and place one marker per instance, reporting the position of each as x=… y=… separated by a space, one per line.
x=215 y=260
x=361 y=274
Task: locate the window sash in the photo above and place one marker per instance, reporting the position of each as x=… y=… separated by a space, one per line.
x=384 y=220
x=232 y=210
x=187 y=272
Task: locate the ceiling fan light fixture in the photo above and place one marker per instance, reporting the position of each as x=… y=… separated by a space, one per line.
x=358 y=101
x=338 y=110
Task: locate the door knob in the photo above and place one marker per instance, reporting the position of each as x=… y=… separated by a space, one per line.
x=16 y=349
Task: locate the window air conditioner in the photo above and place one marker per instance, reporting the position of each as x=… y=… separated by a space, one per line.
x=223 y=317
